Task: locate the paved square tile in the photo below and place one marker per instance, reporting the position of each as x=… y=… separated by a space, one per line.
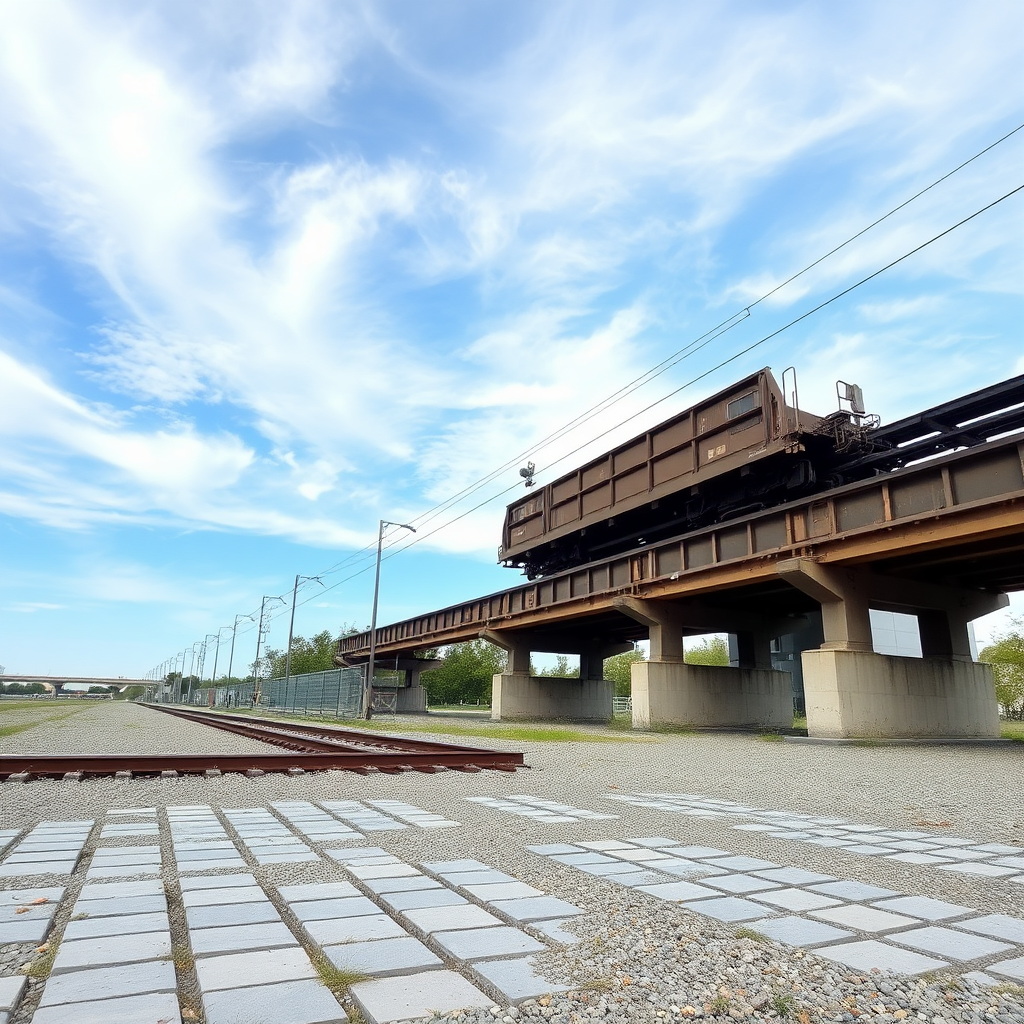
x=436 y=919
x=354 y=929
x=242 y=970
x=158 y=1006
x=870 y=954
x=536 y=908
x=516 y=979
x=117 y=890
x=219 y=882
x=396 y=999
x=946 y=942
x=225 y=915
x=109 y=983
x=287 y=1002
x=323 y=910
x=795 y=899
x=864 y=919
x=10 y=992
x=1009 y=968
x=798 y=931
x=923 y=907
x=502 y=891
x=382 y=870
x=110 y=950
x=420 y=899
x=794 y=876
x=488 y=877
x=727 y=908
x=698 y=852
x=235 y=894
x=317 y=891
x=122 y=908
x=557 y=931
x=741 y=883
x=448 y=867
x=608 y=869
x=484 y=943
x=678 y=891
x=741 y=863
x=407 y=884
x=235 y=938
x=847 y=890
x=999 y=926
x=383 y=957
x=637 y=878
x=983 y=870
x=95 y=927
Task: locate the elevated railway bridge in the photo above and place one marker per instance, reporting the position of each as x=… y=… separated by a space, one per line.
x=942 y=539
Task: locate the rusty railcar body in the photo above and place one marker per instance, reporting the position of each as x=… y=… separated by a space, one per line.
x=738 y=451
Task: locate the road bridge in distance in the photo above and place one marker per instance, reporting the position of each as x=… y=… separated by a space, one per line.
x=56 y=684
x=942 y=540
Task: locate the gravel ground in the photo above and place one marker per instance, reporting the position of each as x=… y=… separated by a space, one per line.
x=640 y=959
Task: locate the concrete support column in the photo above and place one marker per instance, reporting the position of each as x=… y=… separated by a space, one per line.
x=850 y=691
x=412 y=698
x=526 y=697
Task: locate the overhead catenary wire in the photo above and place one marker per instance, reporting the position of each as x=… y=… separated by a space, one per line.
x=689 y=349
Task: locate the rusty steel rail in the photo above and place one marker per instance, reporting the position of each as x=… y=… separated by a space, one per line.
x=310 y=748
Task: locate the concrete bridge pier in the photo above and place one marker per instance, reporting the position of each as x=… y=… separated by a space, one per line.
x=667 y=691
x=851 y=691
x=518 y=695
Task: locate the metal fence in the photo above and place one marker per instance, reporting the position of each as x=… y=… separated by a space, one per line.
x=337 y=693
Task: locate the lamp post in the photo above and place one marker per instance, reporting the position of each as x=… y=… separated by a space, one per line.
x=368 y=688
x=231 y=659
x=291 y=629
x=259 y=639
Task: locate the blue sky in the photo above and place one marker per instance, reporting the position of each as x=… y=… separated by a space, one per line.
x=271 y=272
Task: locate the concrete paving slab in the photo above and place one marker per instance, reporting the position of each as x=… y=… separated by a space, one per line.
x=1009 y=968
x=849 y=890
x=25 y=931
x=109 y=983
x=122 y=908
x=502 y=891
x=557 y=931
x=608 y=869
x=924 y=907
x=727 y=908
x=798 y=931
x=235 y=894
x=741 y=883
x=637 y=878
x=287 y=1002
x=982 y=870
x=128 y=871
x=579 y=859
x=998 y=926
x=110 y=950
x=449 y=867
x=158 y=1006
x=678 y=891
x=108 y=860
x=420 y=899
x=191 y=867
x=490 y=877
x=234 y=938
x=223 y=916
x=793 y=876
x=96 y=927
x=317 y=891
x=286 y=858
x=383 y=957
x=741 y=863
x=407 y=884
x=536 y=908
x=697 y=852
x=516 y=979
x=945 y=942
x=383 y=870
x=418 y=995
x=795 y=899
x=918 y=858
x=487 y=943
x=870 y=954
x=10 y=992
x=437 y=919
x=864 y=919
x=868 y=849
x=687 y=868
x=244 y=970
x=552 y=849
x=325 y=910
x=354 y=929
x=26 y=870
x=118 y=890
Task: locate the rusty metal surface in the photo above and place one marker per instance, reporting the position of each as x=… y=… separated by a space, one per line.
x=309 y=748
x=958 y=519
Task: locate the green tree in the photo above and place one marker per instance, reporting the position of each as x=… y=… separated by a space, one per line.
x=100 y=689
x=313 y=655
x=1006 y=656
x=619 y=669
x=712 y=650
x=130 y=693
x=466 y=673
x=560 y=670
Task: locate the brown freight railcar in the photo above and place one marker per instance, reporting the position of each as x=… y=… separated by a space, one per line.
x=736 y=451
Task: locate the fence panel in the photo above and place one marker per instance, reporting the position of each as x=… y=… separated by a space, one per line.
x=337 y=693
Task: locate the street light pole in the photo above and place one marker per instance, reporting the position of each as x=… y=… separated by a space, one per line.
x=291 y=630
x=259 y=639
x=368 y=687
x=238 y=618
x=216 y=655
x=216 y=636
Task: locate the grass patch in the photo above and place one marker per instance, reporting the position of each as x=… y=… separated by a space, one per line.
x=671 y=729
x=749 y=933
x=719 y=1005
x=783 y=1004
x=41 y=966
x=16 y=727
x=1012 y=731
x=334 y=978
x=771 y=737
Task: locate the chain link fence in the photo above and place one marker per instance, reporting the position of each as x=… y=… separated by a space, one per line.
x=336 y=693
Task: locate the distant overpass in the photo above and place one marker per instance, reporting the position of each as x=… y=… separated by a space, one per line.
x=57 y=683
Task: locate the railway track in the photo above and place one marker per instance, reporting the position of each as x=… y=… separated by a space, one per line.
x=309 y=748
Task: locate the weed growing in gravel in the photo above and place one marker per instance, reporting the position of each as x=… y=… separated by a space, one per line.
x=40 y=967
x=783 y=1004
x=771 y=737
x=749 y=933
x=182 y=957
x=334 y=978
x=719 y=1005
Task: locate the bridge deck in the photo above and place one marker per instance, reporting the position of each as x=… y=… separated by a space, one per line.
x=956 y=520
